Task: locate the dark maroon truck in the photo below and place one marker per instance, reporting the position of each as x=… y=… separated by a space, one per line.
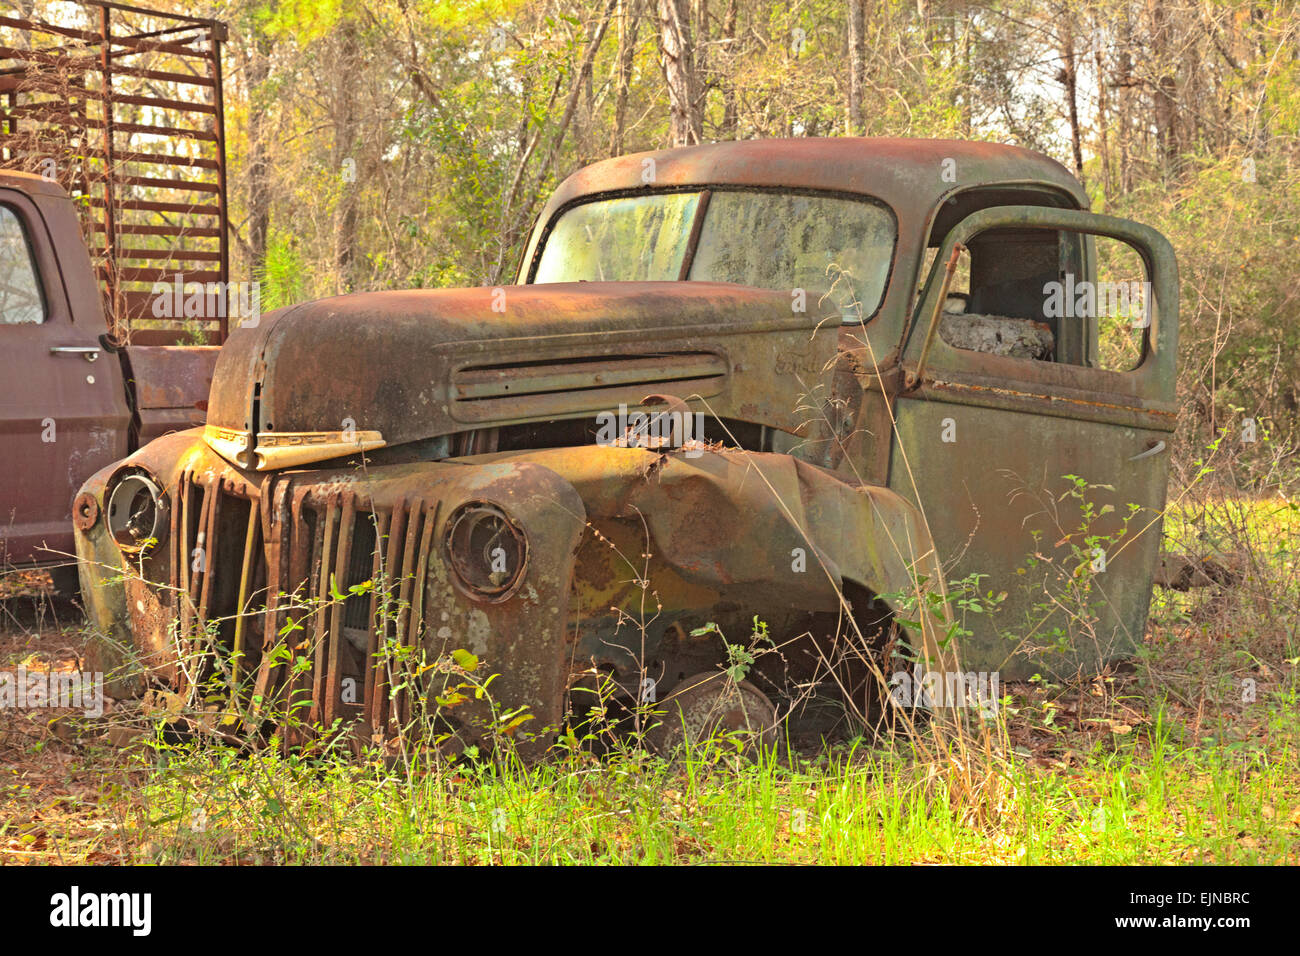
x=112 y=199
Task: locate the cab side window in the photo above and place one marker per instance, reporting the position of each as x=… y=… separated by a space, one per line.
x=995 y=302
x=21 y=302
x=1028 y=294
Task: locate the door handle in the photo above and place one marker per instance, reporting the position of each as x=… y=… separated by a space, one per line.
x=1155 y=449
x=91 y=352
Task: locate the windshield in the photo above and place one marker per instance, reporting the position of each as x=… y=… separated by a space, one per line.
x=825 y=245
x=637 y=239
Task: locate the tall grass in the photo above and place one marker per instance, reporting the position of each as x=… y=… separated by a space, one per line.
x=1142 y=799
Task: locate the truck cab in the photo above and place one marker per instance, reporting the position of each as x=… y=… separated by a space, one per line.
x=997 y=385
x=63 y=404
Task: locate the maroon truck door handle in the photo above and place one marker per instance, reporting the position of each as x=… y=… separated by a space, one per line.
x=90 y=352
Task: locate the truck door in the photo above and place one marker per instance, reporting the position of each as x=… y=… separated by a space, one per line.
x=1036 y=464
x=63 y=411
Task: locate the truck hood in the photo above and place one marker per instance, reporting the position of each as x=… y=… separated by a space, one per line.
x=322 y=379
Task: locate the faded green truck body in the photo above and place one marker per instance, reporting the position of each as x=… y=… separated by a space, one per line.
x=464 y=447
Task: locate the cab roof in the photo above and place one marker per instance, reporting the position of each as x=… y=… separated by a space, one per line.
x=911 y=175
x=30 y=183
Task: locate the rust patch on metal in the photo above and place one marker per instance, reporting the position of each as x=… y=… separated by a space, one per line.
x=1038 y=397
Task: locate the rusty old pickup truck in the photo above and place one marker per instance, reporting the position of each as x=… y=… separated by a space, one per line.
x=745 y=397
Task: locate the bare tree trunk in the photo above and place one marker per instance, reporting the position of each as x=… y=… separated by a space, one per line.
x=1193 y=102
x=1103 y=118
x=628 y=23
x=922 y=60
x=855 y=125
x=584 y=120
x=685 y=126
x=257 y=71
x=1069 y=78
x=345 y=136
x=1165 y=113
x=1259 y=132
x=968 y=105
x=699 y=43
x=730 y=113
x=1125 y=103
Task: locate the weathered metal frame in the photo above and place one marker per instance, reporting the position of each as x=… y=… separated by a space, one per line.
x=1149 y=387
x=97 y=172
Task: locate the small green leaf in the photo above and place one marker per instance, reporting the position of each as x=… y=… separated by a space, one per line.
x=514 y=722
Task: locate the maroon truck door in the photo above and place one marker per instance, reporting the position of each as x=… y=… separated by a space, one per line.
x=63 y=410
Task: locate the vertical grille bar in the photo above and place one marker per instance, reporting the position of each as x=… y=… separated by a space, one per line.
x=286 y=562
x=392 y=567
x=416 y=630
x=208 y=542
x=324 y=606
x=298 y=682
x=176 y=546
x=182 y=594
x=190 y=669
x=245 y=584
x=401 y=704
x=334 y=664
x=373 y=664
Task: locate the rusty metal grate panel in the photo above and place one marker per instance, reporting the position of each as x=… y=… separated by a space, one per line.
x=325 y=546
x=123 y=107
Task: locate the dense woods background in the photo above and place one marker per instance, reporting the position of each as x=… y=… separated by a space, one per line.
x=391 y=143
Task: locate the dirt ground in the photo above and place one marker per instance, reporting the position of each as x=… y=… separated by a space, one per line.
x=51 y=806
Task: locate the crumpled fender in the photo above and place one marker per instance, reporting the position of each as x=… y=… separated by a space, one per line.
x=765 y=527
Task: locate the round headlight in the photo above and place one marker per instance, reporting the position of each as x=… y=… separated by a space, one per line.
x=486 y=550
x=137 y=512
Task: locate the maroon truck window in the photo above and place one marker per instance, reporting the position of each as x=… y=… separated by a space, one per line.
x=21 y=302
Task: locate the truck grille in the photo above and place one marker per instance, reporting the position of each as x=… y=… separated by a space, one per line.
x=274 y=574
